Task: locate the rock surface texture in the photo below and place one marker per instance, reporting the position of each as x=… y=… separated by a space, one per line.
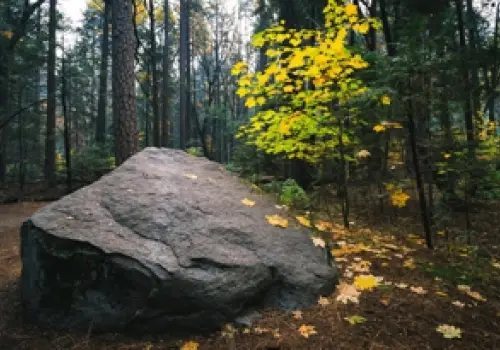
x=164 y=243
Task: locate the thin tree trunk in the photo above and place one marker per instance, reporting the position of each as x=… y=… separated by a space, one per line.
x=154 y=71
x=183 y=74
x=50 y=141
x=100 y=135
x=418 y=175
x=167 y=100
x=67 y=140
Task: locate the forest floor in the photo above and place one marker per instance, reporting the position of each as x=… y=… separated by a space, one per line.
x=418 y=291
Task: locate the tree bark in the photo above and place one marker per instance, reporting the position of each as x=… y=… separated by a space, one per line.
x=167 y=99
x=100 y=135
x=123 y=81
x=184 y=67
x=154 y=72
x=50 y=141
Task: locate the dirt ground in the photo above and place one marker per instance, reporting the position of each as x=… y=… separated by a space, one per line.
x=421 y=294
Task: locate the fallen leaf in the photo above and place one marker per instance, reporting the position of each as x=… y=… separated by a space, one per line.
x=365 y=282
x=246 y=331
x=355 y=319
x=449 y=331
x=318 y=242
x=410 y=263
x=323 y=225
x=362 y=266
x=304 y=221
x=442 y=294
x=418 y=290
x=190 y=345
x=323 y=301
x=458 y=303
x=467 y=290
x=248 y=202
x=259 y=330
x=348 y=293
x=277 y=220
x=297 y=314
x=401 y=285
x=306 y=331
x=191 y=176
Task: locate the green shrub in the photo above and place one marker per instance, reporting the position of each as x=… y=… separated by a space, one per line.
x=293 y=195
x=289 y=193
x=88 y=163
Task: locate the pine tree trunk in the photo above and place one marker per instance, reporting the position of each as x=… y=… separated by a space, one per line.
x=123 y=80
x=100 y=135
x=50 y=141
x=154 y=71
x=167 y=100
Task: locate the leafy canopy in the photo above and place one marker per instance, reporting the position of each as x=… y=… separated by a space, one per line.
x=307 y=86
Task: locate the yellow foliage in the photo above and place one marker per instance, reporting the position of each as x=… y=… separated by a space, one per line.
x=365 y=282
x=386 y=100
x=399 y=198
x=277 y=220
x=379 y=128
x=248 y=202
x=190 y=345
x=306 y=331
x=297 y=60
x=304 y=221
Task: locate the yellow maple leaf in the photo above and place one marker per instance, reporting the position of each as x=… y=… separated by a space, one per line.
x=351 y=10
x=251 y=102
x=318 y=242
x=306 y=331
x=386 y=100
x=449 y=331
x=347 y=293
x=248 y=202
x=238 y=68
x=304 y=221
x=363 y=28
x=277 y=220
x=323 y=226
x=355 y=319
x=190 y=345
x=365 y=282
x=379 y=128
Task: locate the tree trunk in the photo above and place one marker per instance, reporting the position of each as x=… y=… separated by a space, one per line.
x=424 y=212
x=468 y=113
x=100 y=135
x=4 y=92
x=154 y=81
x=184 y=74
x=167 y=100
x=67 y=140
x=50 y=141
x=123 y=81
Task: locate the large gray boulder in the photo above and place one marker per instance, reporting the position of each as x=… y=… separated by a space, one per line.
x=163 y=243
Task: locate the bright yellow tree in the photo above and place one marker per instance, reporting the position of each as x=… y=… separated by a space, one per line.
x=307 y=88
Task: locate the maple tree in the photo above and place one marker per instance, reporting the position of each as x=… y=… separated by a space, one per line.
x=305 y=90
